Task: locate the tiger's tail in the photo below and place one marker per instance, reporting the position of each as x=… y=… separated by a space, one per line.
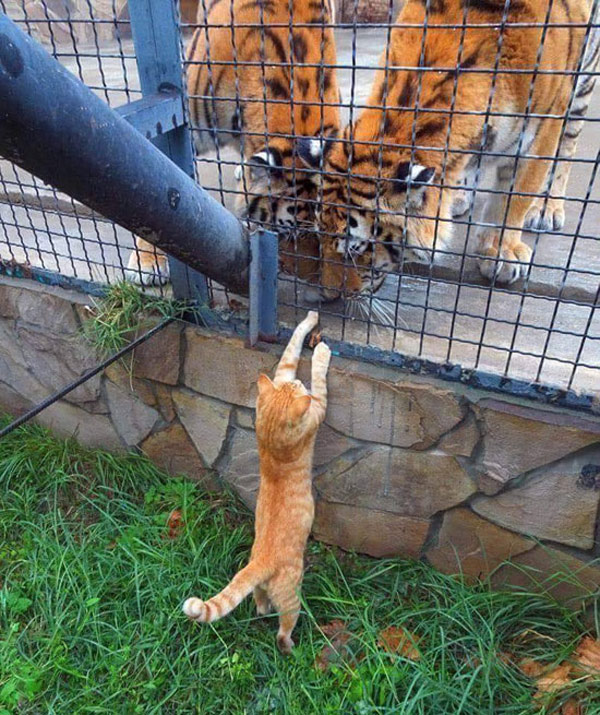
x=230 y=597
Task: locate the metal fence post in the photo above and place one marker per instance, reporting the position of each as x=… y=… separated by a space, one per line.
x=263 y=287
x=155 y=30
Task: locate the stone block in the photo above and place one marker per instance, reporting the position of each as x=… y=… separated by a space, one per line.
x=159 y=357
x=368 y=531
x=205 y=420
x=122 y=376
x=173 y=450
x=396 y=480
x=567 y=577
x=164 y=402
x=56 y=361
x=401 y=414
x=245 y=418
x=518 y=439
x=90 y=430
x=221 y=367
x=132 y=418
x=240 y=467
x=330 y=444
x=13 y=366
x=12 y=402
x=472 y=546
x=39 y=306
x=549 y=504
x=461 y=441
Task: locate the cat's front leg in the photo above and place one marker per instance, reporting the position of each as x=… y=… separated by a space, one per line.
x=286 y=369
x=320 y=365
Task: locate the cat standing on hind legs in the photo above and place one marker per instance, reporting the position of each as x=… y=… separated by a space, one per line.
x=287 y=419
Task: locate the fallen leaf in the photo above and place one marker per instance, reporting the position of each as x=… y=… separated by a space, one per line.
x=174 y=524
x=337 y=649
x=553 y=680
x=400 y=641
x=314 y=338
x=531 y=668
x=587 y=656
x=572 y=707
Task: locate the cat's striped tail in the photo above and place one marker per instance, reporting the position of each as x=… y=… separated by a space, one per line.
x=230 y=597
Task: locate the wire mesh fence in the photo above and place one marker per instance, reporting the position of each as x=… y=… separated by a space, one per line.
x=429 y=167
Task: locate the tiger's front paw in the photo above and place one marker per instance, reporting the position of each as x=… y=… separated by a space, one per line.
x=147 y=267
x=506 y=265
x=546 y=215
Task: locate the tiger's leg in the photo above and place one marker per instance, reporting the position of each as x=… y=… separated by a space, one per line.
x=549 y=214
x=507 y=244
x=463 y=198
x=147 y=265
x=286 y=369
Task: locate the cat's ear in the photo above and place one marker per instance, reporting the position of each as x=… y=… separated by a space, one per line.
x=299 y=407
x=265 y=386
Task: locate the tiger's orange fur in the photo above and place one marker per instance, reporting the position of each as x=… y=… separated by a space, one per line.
x=260 y=110
x=287 y=419
x=233 y=100
x=415 y=213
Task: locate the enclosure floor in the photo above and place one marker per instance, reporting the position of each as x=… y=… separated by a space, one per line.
x=491 y=324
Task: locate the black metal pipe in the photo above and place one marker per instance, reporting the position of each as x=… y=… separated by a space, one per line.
x=53 y=126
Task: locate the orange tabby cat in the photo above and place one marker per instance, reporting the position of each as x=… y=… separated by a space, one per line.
x=287 y=419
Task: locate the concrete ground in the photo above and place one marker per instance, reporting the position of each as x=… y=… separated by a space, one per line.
x=526 y=332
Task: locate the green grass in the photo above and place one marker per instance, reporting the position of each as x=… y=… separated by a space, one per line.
x=123 y=310
x=91 y=591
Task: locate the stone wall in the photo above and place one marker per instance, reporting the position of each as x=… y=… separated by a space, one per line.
x=404 y=466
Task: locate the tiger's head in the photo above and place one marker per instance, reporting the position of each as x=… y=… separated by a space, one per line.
x=278 y=189
x=371 y=221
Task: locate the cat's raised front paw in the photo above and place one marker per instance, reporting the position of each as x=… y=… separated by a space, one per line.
x=322 y=353
x=312 y=319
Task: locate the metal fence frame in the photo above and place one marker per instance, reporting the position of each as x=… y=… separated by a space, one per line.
x=157 y=41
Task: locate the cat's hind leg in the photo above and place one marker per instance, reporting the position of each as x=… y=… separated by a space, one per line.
x=286 y=369
x=284 y=590
x=263 y=605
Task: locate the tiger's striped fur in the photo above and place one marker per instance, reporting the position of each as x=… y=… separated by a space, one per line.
x=452 y=95
x=287 y=420
x=235 y=101
x=261 y=72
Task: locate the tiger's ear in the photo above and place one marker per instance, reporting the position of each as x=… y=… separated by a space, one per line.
x=313 y=150
x=265 y=386
x=413 y=179
x=266 y=162
x=299 y=407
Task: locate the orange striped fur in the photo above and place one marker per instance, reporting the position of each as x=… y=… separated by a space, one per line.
x=415 y=213
x=287 y=419
x=234 y=101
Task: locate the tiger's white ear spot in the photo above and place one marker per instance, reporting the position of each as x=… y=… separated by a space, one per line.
x=238 y=172
x=313 y=149
x=418 y=170
x=265 y=162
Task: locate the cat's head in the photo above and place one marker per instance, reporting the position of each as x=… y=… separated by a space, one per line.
x=283 y=416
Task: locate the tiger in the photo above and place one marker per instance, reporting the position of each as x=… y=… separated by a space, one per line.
x=262 y=72
x=451 y=106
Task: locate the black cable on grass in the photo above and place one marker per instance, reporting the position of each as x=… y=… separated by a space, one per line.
x=84 y=378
